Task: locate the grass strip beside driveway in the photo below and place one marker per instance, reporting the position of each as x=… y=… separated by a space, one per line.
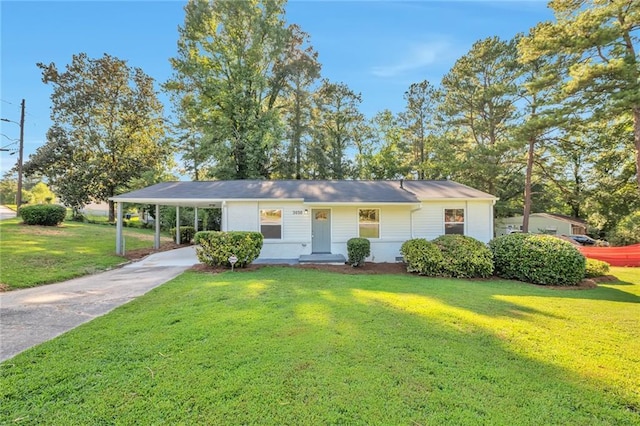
x=34 y=255
x=291 y=346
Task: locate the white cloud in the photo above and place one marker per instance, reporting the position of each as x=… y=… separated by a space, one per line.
x=417 y=57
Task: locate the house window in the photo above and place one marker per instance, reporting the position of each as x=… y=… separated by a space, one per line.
x=271 y=223
x=369 y=223
x=454 y=221
x=578 y=230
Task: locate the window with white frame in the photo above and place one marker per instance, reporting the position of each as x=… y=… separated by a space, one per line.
x=454 y=221
x=369 y=223
x=271 y=224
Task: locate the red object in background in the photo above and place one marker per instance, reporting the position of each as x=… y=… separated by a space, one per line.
x=615 y=256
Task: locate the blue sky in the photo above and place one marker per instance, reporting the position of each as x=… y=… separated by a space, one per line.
x=378 y=48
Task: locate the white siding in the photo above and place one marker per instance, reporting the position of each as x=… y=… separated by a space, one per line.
x=428 y=222
x=344 y=225
x=296 y=231
x=296 y=226
x=395 y=227
x=478 y=220
x=241 y=216
x=397 y=224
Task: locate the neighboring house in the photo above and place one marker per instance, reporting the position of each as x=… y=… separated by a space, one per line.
x=543 y=223
x=304 y=217
x=95 y=209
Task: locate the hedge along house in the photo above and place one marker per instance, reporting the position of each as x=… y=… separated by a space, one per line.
x=303 y=219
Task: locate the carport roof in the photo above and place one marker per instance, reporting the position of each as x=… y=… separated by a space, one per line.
x=200 y=193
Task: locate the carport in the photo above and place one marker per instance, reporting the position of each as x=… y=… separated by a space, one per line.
x=157 y=196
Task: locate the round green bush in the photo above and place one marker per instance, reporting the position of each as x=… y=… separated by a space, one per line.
x=464 y=257
x=358 y=250
x=423 y=257
x=43 y=214
x=186 y=234
x=216 y=247
x=537 y=259
x=596 y=268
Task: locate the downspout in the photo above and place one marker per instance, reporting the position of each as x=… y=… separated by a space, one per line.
x=411 y=220
x=466 y=216
x=492 y=214
x=224 y=216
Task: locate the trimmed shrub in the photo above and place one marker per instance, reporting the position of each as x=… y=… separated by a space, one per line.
x=464 y=257
x=215 y=247
x=537 y=259
x=43 y=214
x=422 y=256
x=186 y=234
x=358 y=250
x=596 y=268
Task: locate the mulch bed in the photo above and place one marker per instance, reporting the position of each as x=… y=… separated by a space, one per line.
x=392 y=268
x=368 y=268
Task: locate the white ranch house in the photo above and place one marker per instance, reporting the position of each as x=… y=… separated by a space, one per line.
x=302 y=218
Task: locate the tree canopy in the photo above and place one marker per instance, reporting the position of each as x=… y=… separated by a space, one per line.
x=108 y=129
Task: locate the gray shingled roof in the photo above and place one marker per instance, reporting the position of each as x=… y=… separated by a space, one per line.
x=310 y=191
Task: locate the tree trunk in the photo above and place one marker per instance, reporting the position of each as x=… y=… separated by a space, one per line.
x=527 y=185
x=636 y=140
x=112 y=211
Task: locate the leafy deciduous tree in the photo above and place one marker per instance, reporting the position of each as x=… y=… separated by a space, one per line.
x=107 y=129
x=230 y=65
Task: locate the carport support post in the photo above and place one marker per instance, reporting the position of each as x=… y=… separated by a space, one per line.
x=195 y=219
x=178 y=225
x=156 y=240
x=119 y=245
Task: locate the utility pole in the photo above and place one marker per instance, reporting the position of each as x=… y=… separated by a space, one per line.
x=20 y=152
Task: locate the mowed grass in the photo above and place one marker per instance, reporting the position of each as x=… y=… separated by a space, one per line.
x=291 y=346
x=34 y=255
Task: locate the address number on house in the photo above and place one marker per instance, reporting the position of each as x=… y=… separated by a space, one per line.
x=297 y=212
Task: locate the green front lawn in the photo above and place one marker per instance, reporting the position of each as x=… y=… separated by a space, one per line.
x=33 y=255
x=290 y=346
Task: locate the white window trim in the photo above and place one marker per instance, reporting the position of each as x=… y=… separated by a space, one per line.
x=260 y=209
x=379 y=221
x=444 y=218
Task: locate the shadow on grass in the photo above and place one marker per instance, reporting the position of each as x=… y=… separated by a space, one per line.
x=284 y=346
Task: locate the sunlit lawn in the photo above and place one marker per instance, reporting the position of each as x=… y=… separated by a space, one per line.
x=290 y=346
x=33 y=255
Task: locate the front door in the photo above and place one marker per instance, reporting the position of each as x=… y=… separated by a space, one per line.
x=321 y=231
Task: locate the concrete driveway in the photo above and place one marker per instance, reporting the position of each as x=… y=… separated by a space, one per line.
x=32 y=316
x=6 y=213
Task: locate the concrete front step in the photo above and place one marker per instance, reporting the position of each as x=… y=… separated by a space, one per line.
x=324 y=258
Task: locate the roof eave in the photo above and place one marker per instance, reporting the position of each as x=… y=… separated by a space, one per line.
x=460 y=199
x=361 y=203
